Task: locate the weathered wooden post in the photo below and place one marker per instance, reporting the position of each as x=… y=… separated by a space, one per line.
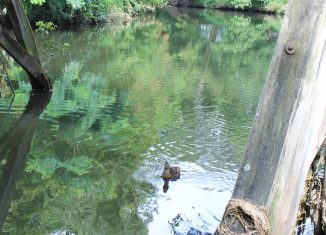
x=22 y=27
x=288 y=130
x=24 y=49
x=38 y=77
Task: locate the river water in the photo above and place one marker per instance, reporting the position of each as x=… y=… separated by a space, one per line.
x=178 y=86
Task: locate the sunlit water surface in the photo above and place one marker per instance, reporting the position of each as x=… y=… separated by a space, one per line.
x=180 y=87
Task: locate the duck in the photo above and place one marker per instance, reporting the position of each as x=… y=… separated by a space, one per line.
x=170 y=172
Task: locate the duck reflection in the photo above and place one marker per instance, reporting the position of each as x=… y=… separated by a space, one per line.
x=15 y=145
x=166 y=186
x=170 y=173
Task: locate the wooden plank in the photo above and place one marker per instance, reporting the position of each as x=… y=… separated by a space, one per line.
x=38 y=77
x=290 y=122
x=22 y=27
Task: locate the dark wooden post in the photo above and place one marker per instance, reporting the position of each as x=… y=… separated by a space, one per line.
x=38 y=77
x=22 y=27
x=289 y=127
x=24 y=49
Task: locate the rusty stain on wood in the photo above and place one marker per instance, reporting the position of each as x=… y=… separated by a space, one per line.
x=291 y=47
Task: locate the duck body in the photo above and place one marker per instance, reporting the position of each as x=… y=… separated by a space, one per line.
x=170 y=172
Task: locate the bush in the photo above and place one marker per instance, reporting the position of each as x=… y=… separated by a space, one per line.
x=93 y=11
x=269 y=5
x=81 y=11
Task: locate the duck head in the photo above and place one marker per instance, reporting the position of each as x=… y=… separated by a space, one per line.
x=166 y=166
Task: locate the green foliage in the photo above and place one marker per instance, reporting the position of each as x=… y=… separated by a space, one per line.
x=37 y=2
x=47 y=166
x=269 y=5
x=18 y=74
x=63 y=11
x=45 y=26
x=79 y=165
x=241 y=3
x=92 y=11
x=76 y=4
x=276 y=5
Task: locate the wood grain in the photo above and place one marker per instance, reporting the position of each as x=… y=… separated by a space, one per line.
x=290 y=122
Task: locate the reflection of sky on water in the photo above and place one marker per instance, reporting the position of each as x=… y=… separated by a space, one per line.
x=206 y=30
x=199 y=197
x=198 y=145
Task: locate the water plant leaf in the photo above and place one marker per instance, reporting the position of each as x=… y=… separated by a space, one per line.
x=44 y=166
x=79 y=165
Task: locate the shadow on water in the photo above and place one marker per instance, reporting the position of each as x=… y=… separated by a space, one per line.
x=15 y=146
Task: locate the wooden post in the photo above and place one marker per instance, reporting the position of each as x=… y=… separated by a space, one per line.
x=22 y=27
x=290 y=124
x=38 y=77
x=28 y=58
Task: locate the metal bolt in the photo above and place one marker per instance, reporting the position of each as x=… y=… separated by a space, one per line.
x=291 y=47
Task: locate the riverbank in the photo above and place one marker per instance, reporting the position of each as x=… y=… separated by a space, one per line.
x=66 y=13
x=80 y=12
x=270 y=7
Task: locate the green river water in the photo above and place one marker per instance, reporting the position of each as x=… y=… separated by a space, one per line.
x=180 y=86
